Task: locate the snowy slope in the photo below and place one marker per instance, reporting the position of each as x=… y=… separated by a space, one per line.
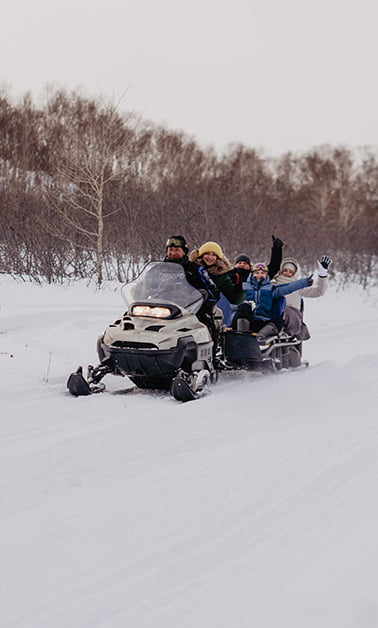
x=253 y=507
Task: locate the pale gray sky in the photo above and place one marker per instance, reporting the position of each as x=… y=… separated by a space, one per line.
x=273 y=74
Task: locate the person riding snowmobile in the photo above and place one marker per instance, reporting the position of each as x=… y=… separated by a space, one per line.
x=290 y=271
x=176 y=251
x=211 y=257
x=243 y=266
x=262 y=312
x=241 y=271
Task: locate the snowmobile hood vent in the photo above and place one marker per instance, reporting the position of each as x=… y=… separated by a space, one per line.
x=124 y=344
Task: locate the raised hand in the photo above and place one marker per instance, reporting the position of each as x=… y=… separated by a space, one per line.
x=323 y=265
x=277 y=242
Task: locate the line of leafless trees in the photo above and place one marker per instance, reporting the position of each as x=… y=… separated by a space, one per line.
x=86 y=190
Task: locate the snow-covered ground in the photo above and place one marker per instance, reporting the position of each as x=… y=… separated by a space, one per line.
x=254 y=507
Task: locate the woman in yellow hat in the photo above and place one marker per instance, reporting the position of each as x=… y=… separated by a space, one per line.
x=211 y=258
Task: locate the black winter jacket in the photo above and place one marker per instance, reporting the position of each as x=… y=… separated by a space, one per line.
x=199 y=278
x=223 y=275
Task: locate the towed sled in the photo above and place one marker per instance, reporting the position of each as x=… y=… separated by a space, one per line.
x=248 y=351
x=160 y=344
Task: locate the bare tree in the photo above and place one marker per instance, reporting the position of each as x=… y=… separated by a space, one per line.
x=94 y=151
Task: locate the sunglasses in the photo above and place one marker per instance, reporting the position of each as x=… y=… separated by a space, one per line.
x=174 y=242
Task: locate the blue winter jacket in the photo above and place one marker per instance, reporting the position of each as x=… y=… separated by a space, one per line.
x=269 y=298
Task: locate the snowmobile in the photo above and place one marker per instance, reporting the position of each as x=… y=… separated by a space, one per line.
x=158 y=343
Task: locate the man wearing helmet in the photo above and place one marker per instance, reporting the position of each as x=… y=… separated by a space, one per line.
x=176 y=251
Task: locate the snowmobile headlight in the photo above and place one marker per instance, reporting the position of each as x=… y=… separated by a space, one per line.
x=152 y=311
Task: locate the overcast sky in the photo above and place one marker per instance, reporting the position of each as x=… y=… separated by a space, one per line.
x=273 y=74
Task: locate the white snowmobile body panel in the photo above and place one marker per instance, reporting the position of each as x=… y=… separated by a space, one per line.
x=163 y=334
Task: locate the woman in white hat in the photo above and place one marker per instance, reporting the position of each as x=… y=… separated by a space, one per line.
x=290 y=271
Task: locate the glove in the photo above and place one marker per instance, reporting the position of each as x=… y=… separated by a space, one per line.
x=204 y=293
x=310 y=280
x=252 y=304
x=323 y=265
x=277 y=242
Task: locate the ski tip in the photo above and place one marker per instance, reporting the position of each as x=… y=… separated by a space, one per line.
x=77 y=384
x=181 y=390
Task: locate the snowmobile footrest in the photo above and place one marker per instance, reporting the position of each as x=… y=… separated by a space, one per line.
x=181 y=390
x=77 y=384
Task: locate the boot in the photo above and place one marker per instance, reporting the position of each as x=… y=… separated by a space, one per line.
x=269 y=330
x=242 y=324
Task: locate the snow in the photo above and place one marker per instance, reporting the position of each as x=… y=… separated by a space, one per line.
x=255 y=506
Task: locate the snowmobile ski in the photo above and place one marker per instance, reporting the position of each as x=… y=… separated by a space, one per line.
x=77 y=384
x=181 y=390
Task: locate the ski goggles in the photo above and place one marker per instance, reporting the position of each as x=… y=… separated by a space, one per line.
x=260 y=267
x=175 y=242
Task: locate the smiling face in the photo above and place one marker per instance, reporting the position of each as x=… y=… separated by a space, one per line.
x=209 y=258
x=175 y=252
x=287 y=272
x=243 y=265
x=260 y=273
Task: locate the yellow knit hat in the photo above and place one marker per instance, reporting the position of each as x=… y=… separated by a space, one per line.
x=210 y=247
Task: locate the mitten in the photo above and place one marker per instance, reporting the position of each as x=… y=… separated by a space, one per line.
x=276 y=241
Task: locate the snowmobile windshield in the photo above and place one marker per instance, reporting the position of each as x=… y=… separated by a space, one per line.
x=162 y=283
